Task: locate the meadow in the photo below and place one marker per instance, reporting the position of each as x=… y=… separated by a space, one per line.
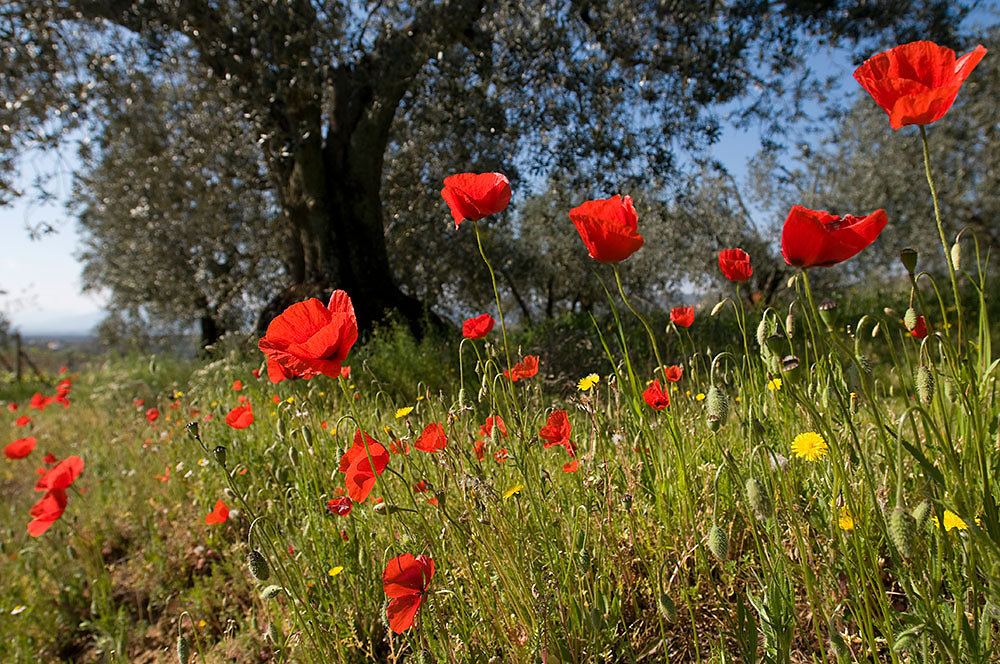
x=812 y=481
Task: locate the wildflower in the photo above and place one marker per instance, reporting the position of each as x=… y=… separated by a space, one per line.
x=951 y=521
x=557 y=430
x=432 y=439
x=526 y=368
x=240 y=417
x=47 y=511
x=61 y=476
x=20 y=448
x=673 y=373
x=501 y=455
x=478 y=327
x=655 y=397
x=571 y=466
x=513 y=491
x=812 y=238
x=682 y=316
x=355 y=464
x=308 y=339
x=334 y=571
x=18 y=609
x=916 y=83
x=478 y=449
x=473 y=196
x=165 y=476
x=699 y=397
x=219 y=514
x=405 y=580
x=810 y=446
x=237 y=385
x=340 y=506
x=608 y=227
x=152 y=414
x=774 y=384
x=587 y=382
x=403 y=412
x=491 y=421
x=735 y=265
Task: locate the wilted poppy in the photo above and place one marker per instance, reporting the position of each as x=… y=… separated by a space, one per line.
x=340 y=506
x=673 y=373
x=20 y=448
x=557 y=430
x=240 y=417
x=817 y=238
x=682 y=316
x=308 y=339
x=735 y=264
x=655 y=396
x=152 y=414
x=219 y=514
x=916 y=83
x=355 y=464
x=47 y=511
x=493 y=421
x=432 y=439
x=473 y=196
x=62 y=475
x=405 y=580
x=609 y=228
x=526 y=368
x=478 y=327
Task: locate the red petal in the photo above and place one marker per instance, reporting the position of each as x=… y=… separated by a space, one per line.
x=402 y=611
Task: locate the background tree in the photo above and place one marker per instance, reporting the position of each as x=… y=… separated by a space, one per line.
x=354 y=105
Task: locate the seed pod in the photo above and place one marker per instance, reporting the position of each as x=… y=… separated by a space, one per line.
x=921 y=515
x=385 y=508
x=717 y=405
x=718 y=543
x=908 y=257
x=220 y=455
x=666 y=607
x=274 y=634
x=910 y=318
x=192 y=430
x=865 y=364
x=763 y=330
x=758 y=498
x=826 y=311
x=902 y=531
x=183 y=650
x=307 y=435
x=271 y=591
x=258 y=565
x=904 y=640
x=956 y=255
x=925 y=385
x=280 y=428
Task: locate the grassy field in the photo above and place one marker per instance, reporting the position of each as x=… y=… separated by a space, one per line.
x=764 y=515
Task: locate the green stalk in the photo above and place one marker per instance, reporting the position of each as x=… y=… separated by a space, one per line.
x=496 y=293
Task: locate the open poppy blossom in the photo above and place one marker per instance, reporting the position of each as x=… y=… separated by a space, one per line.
x=237 y=385
x=20 y=448
x=655 y=397
x=47 y=511
x=62 y=475
x=12 y=407
x=571 y=466
x=735 y=265
x=240 y=417
x=152 y=414
x=493 y=421
x=219 y=514
x=405 y=580
x=682 y=316
x=308 y=339
x=608 y=227
x=22 y=421
x=673 y=373
x=340 y=506
x=360 y=472
x=478 y=327
x=39 y=401
x=473 y=196
x=916 y=83
x=432 y=439
x=557 y=430
x=812 y=238
x=526 y=368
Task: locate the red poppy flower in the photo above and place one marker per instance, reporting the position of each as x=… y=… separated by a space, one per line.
x=240 y=417
x=152 y=414
x=916 y=83
x=62 y=475
x=340 y=506
x=361 y=475
x=137 y=403
x=22 y=421
x=256 y=373
x=673 y=373
x=478 y=448
x=405 y=580
x=39 y=401
x=655 y=396
x=12 y=407
x=165 y=476
x=526 y=368
x=63 y=369
x=474 y=196
x=818 y=238
x=571 y=466
x=478 y=327
x=237 y=385
x=683 y=316
x=49 y=458
x=609 y=228
x=501 y=455
x=20 y=448
x=400 y=447
x=420 y=487
x=345 y=372
x=491 y=421
x=308 y=339
x=209 y=417
x=556 y=431
x=432 y=439
x=735 y=264
x=47 y=511
x=219 y=514
x=920 y=329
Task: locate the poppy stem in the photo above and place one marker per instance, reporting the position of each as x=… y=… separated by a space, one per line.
x=649 y=330
x=496 y=293
x=944 y=242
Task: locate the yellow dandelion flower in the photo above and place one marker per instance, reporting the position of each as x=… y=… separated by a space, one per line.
x=322 y=394
x=809 y=446
x=420 y=398
x=774 y=384
x=846 y=521
x=202 y=623
x=513 y=491
x=951 y=521
x=178 y=394
x=403 y=412
x=214 y=404
x=700 y=396
x=290 y=400
x=336 y=570
x=587 y=382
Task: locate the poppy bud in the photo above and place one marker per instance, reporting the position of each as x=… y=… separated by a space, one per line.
x=718 y=543
x=307 y=435
x=921 y=514
x=790 y=323
x=717 y=405
x=956 y=255
x=183 y=650
x=293 y=456
x=258 y=565
x=764 y=330
x=718 y=307
x=925 y=385
x=826 y=309
x=192 y=430
x=385 y=508
x=280 y=428
x=270 y=592
x=875 y=329
x=902 y=531
x=909 y=258
x=220 y=455
x=274 y=634
x=666 y=607
x=910 y=318
x=905 y=640
x=758 y=498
